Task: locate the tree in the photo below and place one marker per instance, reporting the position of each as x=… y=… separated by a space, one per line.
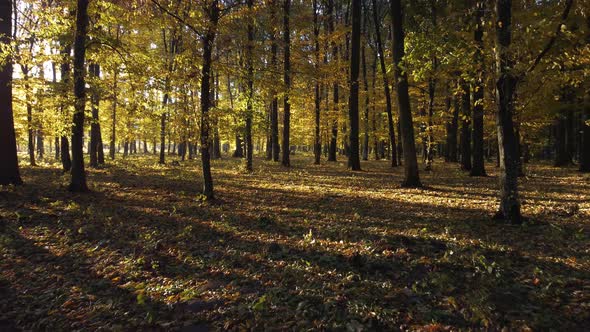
x=477 y=167
x=78 y=179
x=353 y=105
x=317 y=141
x=274 y=110
x=381 y=54
x=250 y=96
x=465 y=126
x=9 y=171
x=506 y=83
x=287 y=79
x=411 y=175
x=336 y=99
x=96 y=151
x=208 y=40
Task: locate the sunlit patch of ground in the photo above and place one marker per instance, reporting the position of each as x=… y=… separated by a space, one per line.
x=313 y=247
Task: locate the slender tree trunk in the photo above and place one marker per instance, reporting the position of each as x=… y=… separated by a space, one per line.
x=317 y=146
x=585 y=146
x=65 y=78
x=249 y=101
x=287 y=78
x=29 y=106
x=478 y=168
x=336 y=99
x=162 y=159
x=366 y=117
x=388 y=108
x=208 y=43
x=465 y=127
x=95 y=136
x=112 y=147
x=354 y=161
x=9 y=170
x=411 y=176
x=78 y=180
x=508 y=175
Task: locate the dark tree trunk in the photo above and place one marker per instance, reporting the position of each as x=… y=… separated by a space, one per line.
x=29 y=106
x=208 y=42
x=411 y=178
x=239 y=151
x=477 y=168
x=9 y=171
x=336 y=98
x=452 y=127
x=563 y=156
x=95 y=135
x=57 y=149
x=381 y=54
x=317 y=146
x=366 y=88
x=162 y=159
x=65 y=77
x=249 y=101
x=465 y=127
x=78 y=180
x=114 y=118
x=505 y=87
x=274 y=107
x=585 y=146
x=354 y=161
x=287 y=78
x=40 y=144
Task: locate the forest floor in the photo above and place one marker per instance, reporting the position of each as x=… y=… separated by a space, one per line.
x=311 y=247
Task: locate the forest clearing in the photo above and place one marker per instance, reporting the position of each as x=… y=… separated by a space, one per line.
x=311 y=247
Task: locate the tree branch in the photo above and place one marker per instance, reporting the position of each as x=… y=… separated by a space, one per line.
x=568 y=7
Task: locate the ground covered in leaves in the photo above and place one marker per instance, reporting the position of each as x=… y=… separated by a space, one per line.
x=311 y=247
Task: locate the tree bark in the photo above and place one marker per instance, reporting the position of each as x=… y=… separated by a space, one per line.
x=336 y=98
x=9 y=170
x=95 y=135
x=508 y=175
x=317 y=146
x=250 y=97
x=78 y=180
x=477 y=167
x=354 y=161
x=287 y=78
x=208 y=42
x=411 y=176
x=388 y=108
x=465 y=127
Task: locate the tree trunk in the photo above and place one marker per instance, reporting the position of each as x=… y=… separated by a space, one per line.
x=78 y=180
x=411 y=176
x=381 y=54
x=585 y=146
x=354 y=161
x=95 y=135
x=287 y=78
x=317 y=146
x=208 y=42
x=366 y=117
x=505 y=87
x=336 y=98
x=465 y=127
x=114 y=118
x=477 y=168
x=9 y=171
x=249 y=100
